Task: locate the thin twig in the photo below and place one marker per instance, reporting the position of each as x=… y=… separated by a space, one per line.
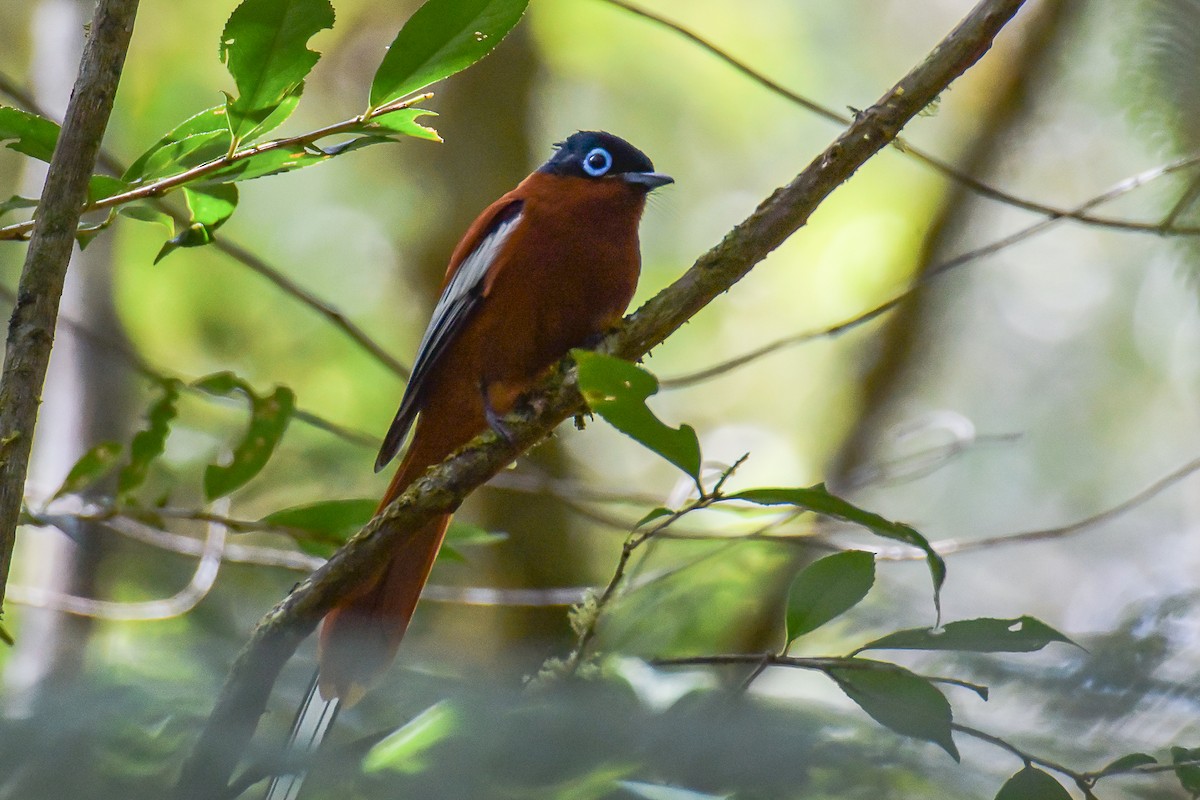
x=1166 y=227
x=1117 y=190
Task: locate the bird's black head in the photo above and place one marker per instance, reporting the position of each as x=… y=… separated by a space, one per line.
x=598 y=155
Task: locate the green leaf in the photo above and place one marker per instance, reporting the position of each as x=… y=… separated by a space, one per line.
x=898 y=699
x=828 y=588
x=403 y=749
x=6 y=637
x=102 y=186
x=443 y=37
x=17 y=203
x=657 y=513
x=1188 y=774
x=148 y=444
x=984 y=635
x=269 y=162
x=269 y=417
x=404 y=122
x=1129 y=763
x=194 y=141
x=210 y=205
x=265 y=47
x=617 y=390
x=657 y=791
x=27 y=133
x=144 y=211
x=1032 y=784
x=819 y=500
x=91 y=467
x=338 y=518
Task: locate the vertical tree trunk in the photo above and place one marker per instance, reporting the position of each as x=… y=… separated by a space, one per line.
x=86 y=400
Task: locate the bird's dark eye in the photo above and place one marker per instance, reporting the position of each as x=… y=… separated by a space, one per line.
x=597 y=162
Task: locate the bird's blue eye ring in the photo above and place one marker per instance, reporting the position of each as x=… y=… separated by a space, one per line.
x=597 y=162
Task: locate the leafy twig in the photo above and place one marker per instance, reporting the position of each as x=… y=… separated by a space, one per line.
x=155 y=188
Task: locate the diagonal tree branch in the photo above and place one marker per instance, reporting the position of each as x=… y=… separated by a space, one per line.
x=243 y=697
x=31 y=328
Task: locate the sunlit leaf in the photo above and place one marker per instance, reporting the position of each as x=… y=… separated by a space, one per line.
x=268 y=162
x=1187 y=773
x=265 y=47
x=898 y=699
x=148 y=444
x=443 y=37
x=403 y=121
x=1032 y=784
x=828 y=588
x=1129 y=762
x=197 y=139
x=984 y=635
x=403 y=749
x=269 y=418
x=818 y=499
x=617 y=390
x=90 y=468
x=209 y=206
x=27 y=133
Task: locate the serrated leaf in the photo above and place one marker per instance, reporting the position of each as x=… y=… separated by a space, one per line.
x=403 y=749
x=617 y=390
x=898 y=699
x=403 y=121
x=269 y=418
x=1128 y=763
x=1188 y=774
x=27 y=133
x=90 y=468
x=819 y=500
x=984 y=635
x=148 y=444
x=209 y=206
x=443 y=37
x=1032 y=784
x=194 y=141
x=827 y=589
x=265 y=47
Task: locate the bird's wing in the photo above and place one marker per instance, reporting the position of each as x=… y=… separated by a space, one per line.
x=461 y=294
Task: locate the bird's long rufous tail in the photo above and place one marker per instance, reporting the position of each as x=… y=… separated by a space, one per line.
x=359 y=638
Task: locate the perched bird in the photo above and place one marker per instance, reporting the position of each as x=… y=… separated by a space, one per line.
x=545 y=268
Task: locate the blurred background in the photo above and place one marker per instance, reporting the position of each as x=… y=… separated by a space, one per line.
x=1027 y=389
